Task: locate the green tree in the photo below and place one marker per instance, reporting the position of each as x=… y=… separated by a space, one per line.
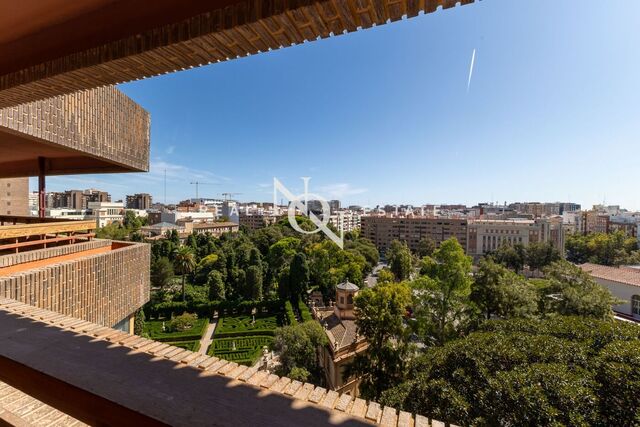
x=380 y=315
x=161 y=273
x=215 y=285
x=385 y=276
x=185 y=262
x=138 y=324
x=599 y=248
x=571 y=291
x=540 y=255
x=511 y=256
x=298 y=277
x=298 y=346
x=442 y=294
x=400 y=260
x=498 y=291
x=426 y=247
x=254 y=283
x=131 y=221
x=561 y=371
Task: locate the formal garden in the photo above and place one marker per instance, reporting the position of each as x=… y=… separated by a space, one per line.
x=241 y=338
x=184 y=331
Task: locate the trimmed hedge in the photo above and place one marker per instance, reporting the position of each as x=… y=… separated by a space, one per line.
x=154 y=329
x=305 y=314
x=168 y=309
x=248 y=349
x=234 y=326
x=288 y=311
x=187 y=345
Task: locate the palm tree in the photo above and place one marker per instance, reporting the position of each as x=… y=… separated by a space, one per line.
x=185 y=262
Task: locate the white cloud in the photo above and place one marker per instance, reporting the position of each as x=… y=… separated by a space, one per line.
x=170 y=149
x=340 y=190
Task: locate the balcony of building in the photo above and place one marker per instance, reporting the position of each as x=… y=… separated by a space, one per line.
x=58 y=265
x=100 y=376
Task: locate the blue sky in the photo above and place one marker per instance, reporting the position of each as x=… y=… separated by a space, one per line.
x=384 y=115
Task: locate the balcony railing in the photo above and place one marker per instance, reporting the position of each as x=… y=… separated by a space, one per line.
x=19 y=233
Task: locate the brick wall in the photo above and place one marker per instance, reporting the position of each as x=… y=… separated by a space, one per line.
x=14 y=196
x=103 y=288
x=101 y=122
x=41 y=254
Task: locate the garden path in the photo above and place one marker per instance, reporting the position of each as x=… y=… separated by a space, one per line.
x=207 y=338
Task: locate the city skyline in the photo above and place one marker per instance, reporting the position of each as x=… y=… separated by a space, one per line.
x=386 y=116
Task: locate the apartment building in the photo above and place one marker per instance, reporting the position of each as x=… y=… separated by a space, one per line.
x=488 y=235
x=594 y=221
x=139 y=201
x=76 y=199
x=345 y=220
x=382 y=230
x=14 y=196
x=256 y=221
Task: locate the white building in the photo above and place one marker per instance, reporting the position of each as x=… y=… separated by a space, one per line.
x=64 y=213
x=174 y=217
x=106 y=213
x=345 y=220
x=486 y=236
x=622 y=282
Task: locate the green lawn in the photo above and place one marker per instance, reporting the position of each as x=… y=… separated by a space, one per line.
x=187 y=345
x=247 y=349
x=240 y=325
x=154 y=329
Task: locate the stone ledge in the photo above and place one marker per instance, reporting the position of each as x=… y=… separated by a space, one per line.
x=329 y=401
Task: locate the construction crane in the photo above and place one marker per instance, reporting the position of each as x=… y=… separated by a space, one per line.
x=198 y=184
x=228 y=196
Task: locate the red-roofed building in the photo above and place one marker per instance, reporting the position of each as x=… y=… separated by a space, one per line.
x=623 y=282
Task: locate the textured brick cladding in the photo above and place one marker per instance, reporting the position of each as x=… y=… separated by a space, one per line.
x=14 y=196
x=41 y=254
x=102 y=289
x=101 y=122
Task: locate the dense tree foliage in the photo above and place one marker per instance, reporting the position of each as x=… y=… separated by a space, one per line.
x=606 y=249
x=297 y=345
x=269 y=263
x=442 y=292
x=568 y=290
x=426 y=247
x=400 y=260
x=564 y=371
x=161 y=273
x=380 y=315
x=536 y=255
x=497 y=291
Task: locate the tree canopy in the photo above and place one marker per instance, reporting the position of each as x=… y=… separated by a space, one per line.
x=562 y=371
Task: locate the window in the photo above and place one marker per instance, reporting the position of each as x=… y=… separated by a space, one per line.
x=350 y=299
x=341 y=300
x=635 y=305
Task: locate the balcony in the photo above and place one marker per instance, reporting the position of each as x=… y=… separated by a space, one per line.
x=57 y=265
x=101 y=376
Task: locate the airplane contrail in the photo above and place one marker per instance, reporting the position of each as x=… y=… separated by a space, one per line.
x=473 y=60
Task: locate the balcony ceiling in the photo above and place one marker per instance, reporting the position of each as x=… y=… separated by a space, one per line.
x=55 y=47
